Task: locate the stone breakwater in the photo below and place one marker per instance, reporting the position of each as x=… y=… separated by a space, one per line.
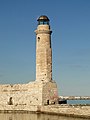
x=68 y=110
x=64 y=110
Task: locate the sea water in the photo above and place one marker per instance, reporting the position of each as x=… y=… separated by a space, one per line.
x=82 y=102
x=29 y=116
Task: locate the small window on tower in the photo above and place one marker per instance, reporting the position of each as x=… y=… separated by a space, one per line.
x=41 y=23
x=46 y=23
x=38 y=39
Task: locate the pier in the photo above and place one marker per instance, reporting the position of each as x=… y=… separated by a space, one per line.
x=74 y=97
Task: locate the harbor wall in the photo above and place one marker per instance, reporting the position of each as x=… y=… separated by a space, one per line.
x=63 y=110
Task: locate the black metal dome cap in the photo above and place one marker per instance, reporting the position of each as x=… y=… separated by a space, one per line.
x=43 y=18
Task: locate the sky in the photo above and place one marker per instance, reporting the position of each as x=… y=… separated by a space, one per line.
x=70 y=23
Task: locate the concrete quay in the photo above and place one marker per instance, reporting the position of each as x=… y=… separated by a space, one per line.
x=79 y=111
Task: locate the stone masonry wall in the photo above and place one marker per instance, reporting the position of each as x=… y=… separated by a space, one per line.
x=67 y=110
x=34 y=93
x=21 y=94
x=50 y=93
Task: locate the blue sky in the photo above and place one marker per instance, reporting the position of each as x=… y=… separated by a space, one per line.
x=70 y=23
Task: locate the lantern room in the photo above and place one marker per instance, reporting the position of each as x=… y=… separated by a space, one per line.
x=43 y=20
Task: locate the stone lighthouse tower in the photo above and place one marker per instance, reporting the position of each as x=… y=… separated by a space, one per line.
x=49 y=92
x=43 y=50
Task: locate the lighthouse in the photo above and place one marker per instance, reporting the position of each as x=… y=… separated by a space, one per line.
x=43 y=50
x=48 y=87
